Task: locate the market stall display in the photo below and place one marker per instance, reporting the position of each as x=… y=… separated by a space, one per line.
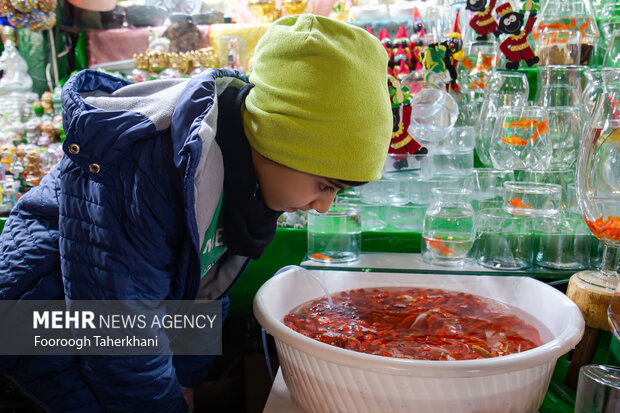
x=493 y=104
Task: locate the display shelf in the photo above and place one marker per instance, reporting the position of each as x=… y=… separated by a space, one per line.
x=413 y=263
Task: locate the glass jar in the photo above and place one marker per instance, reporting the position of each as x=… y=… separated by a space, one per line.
x=502 y=89
x=448 y=230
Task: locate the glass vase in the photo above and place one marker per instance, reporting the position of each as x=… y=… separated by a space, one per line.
x=598 y=183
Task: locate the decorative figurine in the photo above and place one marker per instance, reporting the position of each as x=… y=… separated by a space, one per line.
x=202 y=60
x=293 y=7
x=441 y=58
x=141 y=72
x=401 y=71
x=516 y=46
x=184 y=36
x=7 y=155
x=416 y=43
x=265 y=11
x=46 y=102
x=158 y=61
x=178 y=66
x=32 y=170
x=386 y=40
x=483 y=22
x=9 y=192
x=340 y=11
x=418 y=27
x=401 y=143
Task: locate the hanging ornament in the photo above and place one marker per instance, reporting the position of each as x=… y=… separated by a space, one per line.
x=401 y=142
x=516 y=46
x=482 y=22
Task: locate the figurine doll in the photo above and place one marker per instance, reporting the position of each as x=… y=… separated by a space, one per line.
x=32 y=169
x=516 y=46
x=401 y=142
x=7 y=155
x=46 y=102
x=440 y=58
x=483 y=22
x=9 y=192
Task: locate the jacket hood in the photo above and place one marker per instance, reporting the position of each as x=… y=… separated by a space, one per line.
x=104 y=115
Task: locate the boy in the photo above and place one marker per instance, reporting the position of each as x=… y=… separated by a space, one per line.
x=167 y=187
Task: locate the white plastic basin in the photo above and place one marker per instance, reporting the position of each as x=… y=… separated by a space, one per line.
x=324 y=378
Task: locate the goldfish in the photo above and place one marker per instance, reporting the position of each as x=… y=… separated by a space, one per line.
x=523 y=123
x=513 y=140
x=606 y=229
x=318 y=256
x=477 y=84
x=436 y=244
x=541 y=129
x=517 y=203
x=467 y=64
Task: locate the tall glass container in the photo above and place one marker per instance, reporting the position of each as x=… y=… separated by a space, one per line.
x=598 y=182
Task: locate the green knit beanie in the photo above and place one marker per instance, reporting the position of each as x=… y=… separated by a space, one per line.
x=320 y=103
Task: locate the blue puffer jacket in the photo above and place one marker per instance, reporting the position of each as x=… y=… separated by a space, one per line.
x=122 y=216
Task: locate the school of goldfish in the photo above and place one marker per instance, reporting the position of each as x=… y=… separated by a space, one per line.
x=606 y=229
x=541 y=128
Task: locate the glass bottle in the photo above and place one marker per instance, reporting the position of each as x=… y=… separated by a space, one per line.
x=504 y=88
x=575 y=15
x=598 y=182
x=448 y=230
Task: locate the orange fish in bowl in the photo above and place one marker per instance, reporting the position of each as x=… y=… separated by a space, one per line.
x=517 y=203
x=513 y=140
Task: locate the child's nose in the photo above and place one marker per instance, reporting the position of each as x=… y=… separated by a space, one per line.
x=323 y=203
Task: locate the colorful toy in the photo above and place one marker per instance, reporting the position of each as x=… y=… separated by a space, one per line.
x=418 y=27
x=483 y=22
x=9 y=192
x=402 y=142
x=516 y=47
x=441 y=58
x=32 y=170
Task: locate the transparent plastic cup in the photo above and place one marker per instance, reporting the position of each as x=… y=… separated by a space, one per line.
x=382 y=192
x=562 y=175
x=504 y=241
x=407 y=164
x=335 y=236
x=448 y=231
x=407 y=217
x=421 y=189
x=532 y=198
x=598 y=389
x=487 y=185
x=374 y=216
x=562 y=242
